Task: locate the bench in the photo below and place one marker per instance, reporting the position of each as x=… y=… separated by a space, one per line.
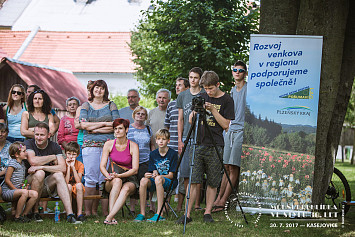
x=89 y=197
x=348 y=203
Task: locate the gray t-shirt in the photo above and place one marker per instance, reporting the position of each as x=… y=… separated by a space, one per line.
x=239 y=99
x=156 y=118
x=184 y=101
x=126 y=113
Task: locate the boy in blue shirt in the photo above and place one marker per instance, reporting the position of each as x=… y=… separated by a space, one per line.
x=161 y=169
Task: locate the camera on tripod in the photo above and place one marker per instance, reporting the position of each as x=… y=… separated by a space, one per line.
x=197 y=104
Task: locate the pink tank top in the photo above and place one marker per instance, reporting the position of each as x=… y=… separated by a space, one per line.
x=123 y=158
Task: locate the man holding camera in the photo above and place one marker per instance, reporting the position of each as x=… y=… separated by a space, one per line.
x=183 y=103
x=221 y=111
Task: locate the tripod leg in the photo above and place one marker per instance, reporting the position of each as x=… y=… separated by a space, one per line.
x=195 y=120
x=224 y=168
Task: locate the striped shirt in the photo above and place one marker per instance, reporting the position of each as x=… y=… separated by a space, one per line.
x=171 y=122
x=108 y=113
x=18 y=176
x=142 y=138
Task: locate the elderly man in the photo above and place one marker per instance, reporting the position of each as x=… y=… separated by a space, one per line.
x=46 y=171
x=156 y=116
x=133 y=101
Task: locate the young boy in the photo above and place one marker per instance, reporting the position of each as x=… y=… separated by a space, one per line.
x=162 y=165
x=73 y=175
x=221 y=108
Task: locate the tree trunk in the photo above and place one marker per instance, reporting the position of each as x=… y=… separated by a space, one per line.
x=323 y=18
x=279 y=17
x=335 y=22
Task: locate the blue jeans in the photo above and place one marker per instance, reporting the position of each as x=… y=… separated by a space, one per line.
x=13 y=139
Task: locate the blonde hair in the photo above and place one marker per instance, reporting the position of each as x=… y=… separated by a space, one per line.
x=139 y=108
x=10 y=101
x=163 y=132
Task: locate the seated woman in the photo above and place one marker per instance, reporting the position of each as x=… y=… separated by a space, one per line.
x=121 y=180
x=13 y=110
x=39 y=110
x=67 y=131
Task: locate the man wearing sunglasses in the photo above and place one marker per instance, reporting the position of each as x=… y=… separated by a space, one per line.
x=234 y=137
x=133 y=99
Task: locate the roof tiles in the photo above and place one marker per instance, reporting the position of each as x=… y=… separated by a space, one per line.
x=105 y=52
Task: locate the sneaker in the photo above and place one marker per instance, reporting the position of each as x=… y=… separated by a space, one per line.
x=155 y=218
x=71 y=219
x=81 y=218
x=37 y=217
x=139 y=218
x=208 y=218
x=19 y=219
x=26 y=219
x=181 y=220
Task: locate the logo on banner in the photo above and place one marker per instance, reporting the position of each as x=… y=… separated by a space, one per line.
x=295 y=110
x=303 y=93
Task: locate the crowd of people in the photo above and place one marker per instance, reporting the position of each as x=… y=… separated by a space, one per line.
x=120 y=153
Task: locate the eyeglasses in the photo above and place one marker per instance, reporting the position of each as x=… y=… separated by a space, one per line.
x=16 y=92
x=240 y=70
x=39 y=91
x=143 y=114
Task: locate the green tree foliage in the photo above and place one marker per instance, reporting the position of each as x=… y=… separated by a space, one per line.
x=350 y=112
x=281 y=142
x=175 y=35
x=121 y=102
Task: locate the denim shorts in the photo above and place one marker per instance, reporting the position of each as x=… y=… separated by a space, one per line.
x=91 y=161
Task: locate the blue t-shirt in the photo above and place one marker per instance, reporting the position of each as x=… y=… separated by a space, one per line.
x=163 y=164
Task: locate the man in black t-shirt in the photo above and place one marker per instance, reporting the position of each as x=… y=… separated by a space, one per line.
x=221 y=111
x=46 y=171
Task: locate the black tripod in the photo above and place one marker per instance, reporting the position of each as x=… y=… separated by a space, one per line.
x=201 y=112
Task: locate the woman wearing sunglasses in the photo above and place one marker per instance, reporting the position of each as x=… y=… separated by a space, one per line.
x=13 y=111
x=39 y=110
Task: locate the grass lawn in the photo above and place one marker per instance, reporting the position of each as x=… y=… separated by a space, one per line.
x=222 y=227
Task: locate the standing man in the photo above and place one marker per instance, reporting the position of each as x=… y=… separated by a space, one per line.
x=221 y=108
x=133 y=101
x=156 y=116
x=46 y=171
x=172 y=113
x=233 y=140
x=183 y=103
x=171 y=123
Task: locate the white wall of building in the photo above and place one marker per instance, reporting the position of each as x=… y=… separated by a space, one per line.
x=68 y=15
x=118 y=83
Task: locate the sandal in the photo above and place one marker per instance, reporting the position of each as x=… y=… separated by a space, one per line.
x=114 y=222
x=106 y=222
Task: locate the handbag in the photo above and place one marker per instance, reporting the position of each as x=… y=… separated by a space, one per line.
x=115 y=168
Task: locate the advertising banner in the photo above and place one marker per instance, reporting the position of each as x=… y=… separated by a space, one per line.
x=281 y=119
